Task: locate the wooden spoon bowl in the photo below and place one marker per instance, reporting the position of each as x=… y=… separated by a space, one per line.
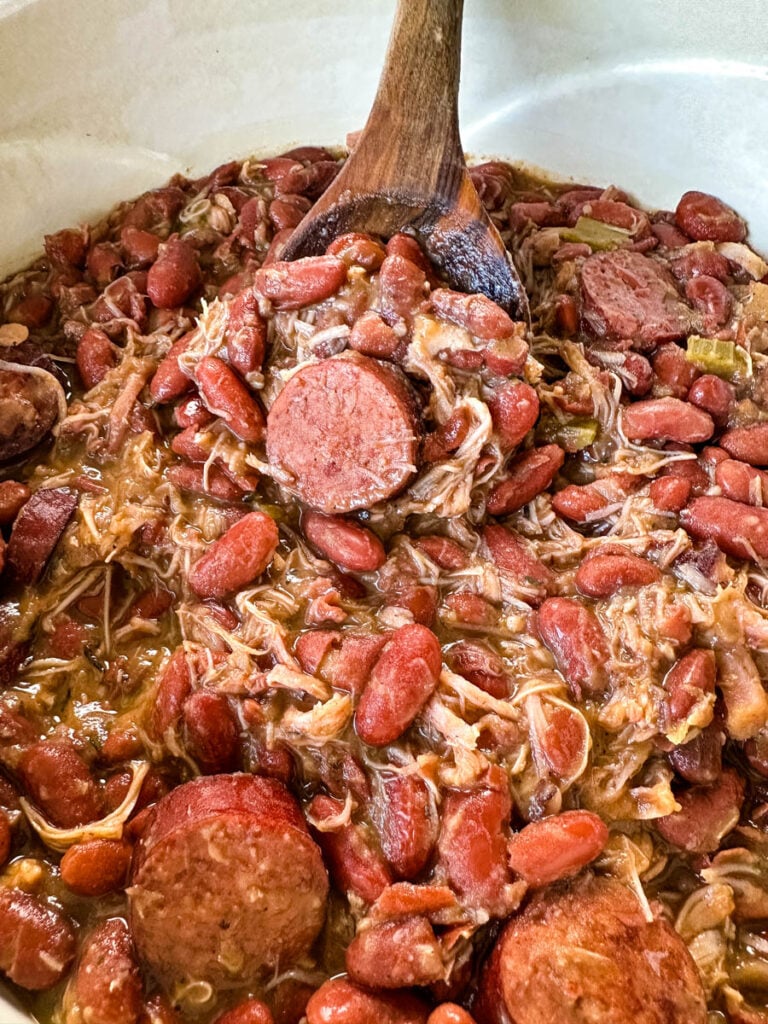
x=408 y=173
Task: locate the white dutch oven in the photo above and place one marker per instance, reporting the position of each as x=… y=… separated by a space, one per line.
x=101 y=99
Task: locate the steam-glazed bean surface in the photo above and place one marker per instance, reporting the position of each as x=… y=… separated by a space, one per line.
x=366 y=654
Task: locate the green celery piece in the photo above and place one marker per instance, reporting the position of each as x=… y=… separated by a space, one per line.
x=595 y=234
x=722 y=358
x=572 y=434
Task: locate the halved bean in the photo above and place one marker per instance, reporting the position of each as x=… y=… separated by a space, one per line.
x=408 y=826
x=37 y=941
x=191 y=412
x=174 y=276
x=602 y=574
x=558 y=847
x=666 y=419
x=748 y=444
x=448 y=437
x=706 y=218
x=353 y=859
x=170 y=382
x=351 y=546
x=527 y=476
x=340 y=1001
x=106 y=987
x=227 y=396
x=700 y=760
x=742 y=482
x=396 y=954
x=475 y=661
x=59 y=781
x=576 y=639
x=301 y=283
x=174 y=687
x=237 y=558
x=95 y=867
x=514 y=410
x=402 y=681
x=402 y=288
x=711 y=298
x=737 y=529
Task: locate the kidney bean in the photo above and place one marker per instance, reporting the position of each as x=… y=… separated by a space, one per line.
x=540 y=214
x=13 y=496
x=514 y=410
x=584 y=503
x=707 y=813
x=408 y=247
x=670 y=493
x=6 y=837
x=212 y=735
x=418 y=599
x=475 y=661
x=351 y=546
x=193 y=479
x=408 y=828
x=402 y=681
x=748 y=444
x=527 y=476
x=711 y=298
x=444 y=552
x=343 y=659
x=246 y=334
x=356 y=248
x=37 y=941
x=402 y=287
x=301 y=283
x=252 y=1011
x=373 y=336
x=472 y=848
x=95 y=867
x=95 y=357
x=737 y=529
x=558 y=847
x=695 y=261
x=156 y=208
x=700 y=760
x=104 y=263
x=690 y=470
x=227 y=396
x=666 y=419
x=576 y=639
x=139 y=247
x=288 y=211
x=173 y=689
x=396 y=954
x=741 y=482
x=122 y=744
x=340 y=1001
x=191 y=412
x=355 y=863
x=605 y=572
x=67 y=248
x=448 y=437
x=673 y=374
x=714 y=395
x=450 y=1013
x=477 y=314
x=471 y=609
x=668 y=235
x=510 y=554
x=175 y=275
x=237 y=558
x=60 y=783
x=169 y=381
x=566 y=310
x=506 y=356
x=707 y=219
x=158 y=1010
x=106 y=986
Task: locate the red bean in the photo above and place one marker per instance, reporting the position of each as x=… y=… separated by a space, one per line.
x=705 y=218
x=477 y=314
x=666 y=419
x=602 y=574
x=576 y=639
x=699 y=262
x=301 y=283
x=106 y=987
x=737 y=529
x=37 y=942
x=373 y=336
x=95 y=867
x=13 y=496
x=700 y=760
x=139 y=247
x=670 y=493
x=672 y=372
x=173 y=689
x=444 y=552
x=60 y=783
x=448 y=437
x=170 y=382
x=514 y=410
x=237 y=558
x=95 y=357
x=513 y=557
x=252 y=1011
x=351 y=546
x=471 y=609
x=567 y=312
x=476 y=662
x=227 y=396
x=104 y=263
x=538 y=213
x=212 y=734
x=66 y=248
x=174 y=276
x=450 y=1013
x=356 y=248
x=741 y=482
x=354 y=861
x=191 y=412
x=689 y=678
x=288 y=211
x=706 y=814
x=527 y=476
x=558 y=847
x=396 y=954
x=408 y=825
x=215 y=482
x=402 y=681
x=158 y=1010
x=407 y=247
x=748 y=444
x=339 y=1001
x=246 y=334
x=714 y=395
x=711 y=298
x=6 y=838
x=402 y=286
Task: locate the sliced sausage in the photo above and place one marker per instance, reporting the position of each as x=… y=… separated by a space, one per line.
x=343 y=434
x=586 y=952
x=29 y=406
x=227 y=883
x=106 y=987
x=628 y=295
x=37 y=942
x=37 y=530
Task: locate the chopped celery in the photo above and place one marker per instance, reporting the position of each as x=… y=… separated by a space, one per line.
x=595 y=233
x=573 y=434
x=722 y=358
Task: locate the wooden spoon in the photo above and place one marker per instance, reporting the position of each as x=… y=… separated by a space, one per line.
x=408 y=172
